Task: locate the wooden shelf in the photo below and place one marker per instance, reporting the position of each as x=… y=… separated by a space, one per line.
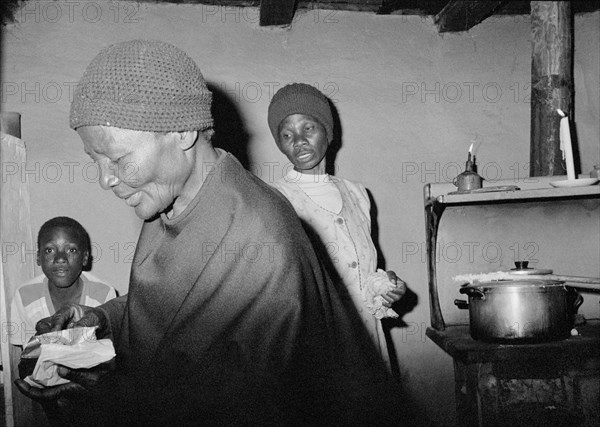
x=529 y=189
x=457 y=342
x=518 y=195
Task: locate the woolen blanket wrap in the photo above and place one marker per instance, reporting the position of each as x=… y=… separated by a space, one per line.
x=142 y=85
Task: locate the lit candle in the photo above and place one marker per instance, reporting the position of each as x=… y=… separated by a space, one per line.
x=565 y=145
x=469 y=164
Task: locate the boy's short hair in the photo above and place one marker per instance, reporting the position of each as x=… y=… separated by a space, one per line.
x=66 y=222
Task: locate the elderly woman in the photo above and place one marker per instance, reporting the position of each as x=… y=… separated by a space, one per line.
x=229 y=318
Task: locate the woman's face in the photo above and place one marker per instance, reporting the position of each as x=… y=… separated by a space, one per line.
x=145 y=169
x=303 y=140
x=62 y=255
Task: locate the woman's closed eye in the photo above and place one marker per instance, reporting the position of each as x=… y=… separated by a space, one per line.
x=116 y=160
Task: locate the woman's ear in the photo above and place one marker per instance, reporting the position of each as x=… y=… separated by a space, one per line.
x=187 y=139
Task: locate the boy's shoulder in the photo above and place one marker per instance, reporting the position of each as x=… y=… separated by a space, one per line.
x=91 y=278
x=31 y=290
x=95 y=282
x=97 y=288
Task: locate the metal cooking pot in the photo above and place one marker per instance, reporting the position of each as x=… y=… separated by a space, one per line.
x=520 y=310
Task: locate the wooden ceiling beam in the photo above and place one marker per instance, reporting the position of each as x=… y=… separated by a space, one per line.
x=460 y=15
x=353 y=5
x=276 y=12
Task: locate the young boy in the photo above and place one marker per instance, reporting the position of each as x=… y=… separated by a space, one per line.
x=63 y=252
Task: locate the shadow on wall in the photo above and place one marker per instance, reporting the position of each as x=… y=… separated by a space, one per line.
x=410 y=299
x=230 y=132
x=336 y=142
x=405 y=305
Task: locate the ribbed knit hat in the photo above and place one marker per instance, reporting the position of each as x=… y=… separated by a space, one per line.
x=142 y=85
x=300 y=98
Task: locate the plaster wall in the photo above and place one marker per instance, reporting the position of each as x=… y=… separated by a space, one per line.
x=410 y=102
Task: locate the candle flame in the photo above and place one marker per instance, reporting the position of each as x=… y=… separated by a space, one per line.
x=560 y=112
x=471 y=148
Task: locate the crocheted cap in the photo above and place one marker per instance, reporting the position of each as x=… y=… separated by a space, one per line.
x=142 y=85
x=300 y=98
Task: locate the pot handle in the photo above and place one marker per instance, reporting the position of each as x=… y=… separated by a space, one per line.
x=461 y=303
x=473 y=292
x=574 y=298
x=577 y=300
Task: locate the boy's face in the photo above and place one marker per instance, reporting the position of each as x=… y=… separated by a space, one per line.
x=303 y=140
x=62 y=256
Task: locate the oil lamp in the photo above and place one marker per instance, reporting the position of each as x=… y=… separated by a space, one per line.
x=469 y=179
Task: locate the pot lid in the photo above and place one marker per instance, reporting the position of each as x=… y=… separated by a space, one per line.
x=524 y=283
x=522 y=268
x=529 y=271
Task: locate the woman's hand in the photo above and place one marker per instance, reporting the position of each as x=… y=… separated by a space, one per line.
x=82 y=381
x=395 y=294
x=71 y=315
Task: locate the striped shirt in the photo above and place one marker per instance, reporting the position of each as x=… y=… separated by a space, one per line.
x=32 y=302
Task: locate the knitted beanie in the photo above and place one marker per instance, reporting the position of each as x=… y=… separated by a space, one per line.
x=300 y=98
x=142 y=85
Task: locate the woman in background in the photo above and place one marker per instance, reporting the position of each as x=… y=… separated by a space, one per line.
x=334 y=211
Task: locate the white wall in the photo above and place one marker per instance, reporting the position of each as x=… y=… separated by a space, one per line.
x=410 y=101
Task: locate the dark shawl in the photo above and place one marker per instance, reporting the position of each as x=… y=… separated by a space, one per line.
x=230 y=320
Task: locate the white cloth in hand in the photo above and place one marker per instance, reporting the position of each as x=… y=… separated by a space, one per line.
x=376 y=285
x=75 y=348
